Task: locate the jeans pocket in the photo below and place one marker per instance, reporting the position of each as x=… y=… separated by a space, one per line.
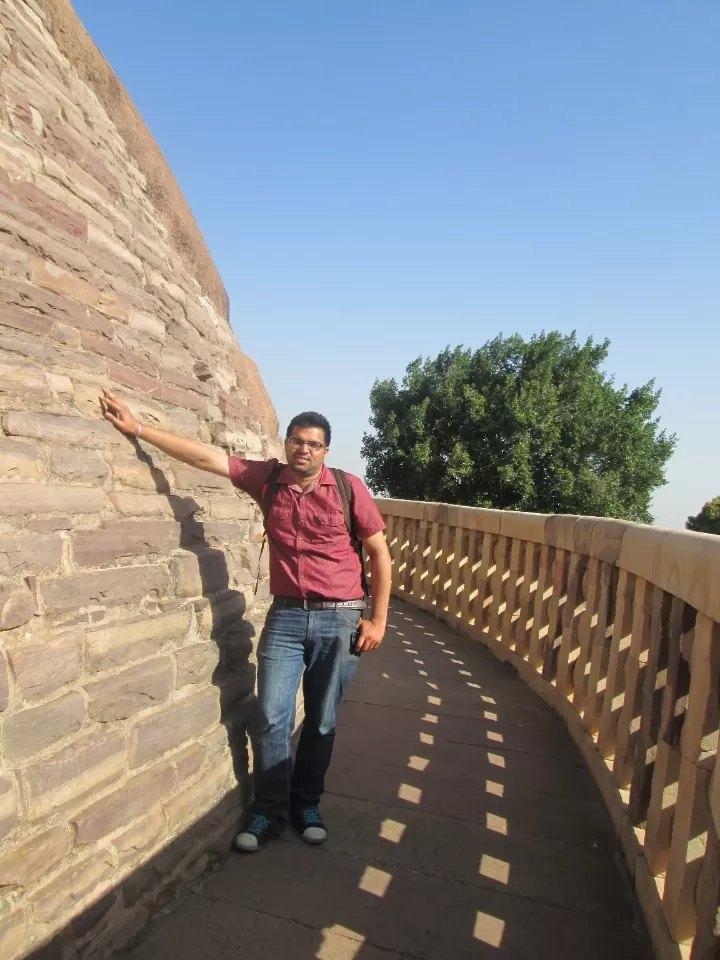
x=351 y=616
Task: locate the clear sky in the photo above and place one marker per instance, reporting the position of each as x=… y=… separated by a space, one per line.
x=379 y=179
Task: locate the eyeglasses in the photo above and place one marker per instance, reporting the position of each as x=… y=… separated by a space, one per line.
x=313 y=445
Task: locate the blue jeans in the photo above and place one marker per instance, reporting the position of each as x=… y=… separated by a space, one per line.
x=294 y=640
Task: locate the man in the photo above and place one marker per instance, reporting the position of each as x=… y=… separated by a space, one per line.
x=314 y=628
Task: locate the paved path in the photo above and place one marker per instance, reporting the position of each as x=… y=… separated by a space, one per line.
x=462 y=825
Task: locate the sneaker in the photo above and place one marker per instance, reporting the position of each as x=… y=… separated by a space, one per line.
x=259 y=831
x=309 y=825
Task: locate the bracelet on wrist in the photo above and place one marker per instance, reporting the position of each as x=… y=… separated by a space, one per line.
x=138 y=431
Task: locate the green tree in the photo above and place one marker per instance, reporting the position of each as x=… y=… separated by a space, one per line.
x=708 y=520
x=518 y=425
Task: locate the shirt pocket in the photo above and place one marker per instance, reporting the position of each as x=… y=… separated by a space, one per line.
x=327 y=526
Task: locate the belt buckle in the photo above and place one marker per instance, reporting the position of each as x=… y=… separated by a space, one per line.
x=305 y=604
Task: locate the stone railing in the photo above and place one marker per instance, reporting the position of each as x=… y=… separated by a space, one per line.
x=616 y=626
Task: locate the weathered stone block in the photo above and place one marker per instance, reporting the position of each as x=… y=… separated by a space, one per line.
x=137 y=688
x=26 y=553
x=107 y=587
x=19 y=460
x=42 y=668
x=37 y=856
x=187 y=478
x=135 y=473
x=18 y=499
x=185 y=423
x=17 y=605
x=140 y=838
x=71 y=773
x=8 y=805
x=189 y=761
x=183 y=721
x=61 y=430
x=194 y=800
x=113 y=646
x=55 y=900
x=125 y=538
x=196 y=663
x=13 y=933
x=160 y=505
x=201 y=574
x=76 y=467
x=4 y=685
x=50 y=524
x=235 y=509
x=32 y=730
x=132 y=800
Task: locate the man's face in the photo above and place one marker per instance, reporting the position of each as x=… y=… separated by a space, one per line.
x=305 y=450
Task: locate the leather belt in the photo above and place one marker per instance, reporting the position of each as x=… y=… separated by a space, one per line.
x=310 y=603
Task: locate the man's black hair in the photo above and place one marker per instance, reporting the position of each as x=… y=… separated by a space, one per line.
x=310 y=419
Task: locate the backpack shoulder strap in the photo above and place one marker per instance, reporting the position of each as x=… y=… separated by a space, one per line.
x=270 y=490
x=346 y=496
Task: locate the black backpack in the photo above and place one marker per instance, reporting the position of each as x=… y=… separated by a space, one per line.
x=347 y=496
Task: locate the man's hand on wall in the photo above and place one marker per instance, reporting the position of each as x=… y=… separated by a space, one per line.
x=118 y=413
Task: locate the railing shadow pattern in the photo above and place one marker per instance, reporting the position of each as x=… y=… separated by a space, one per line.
x=616 y=625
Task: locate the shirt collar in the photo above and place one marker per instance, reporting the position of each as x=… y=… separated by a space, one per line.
x=326 y=478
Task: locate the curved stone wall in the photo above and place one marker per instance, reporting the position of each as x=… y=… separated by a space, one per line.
x=127 y=582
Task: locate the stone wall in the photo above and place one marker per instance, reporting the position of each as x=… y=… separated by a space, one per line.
x=127 y=582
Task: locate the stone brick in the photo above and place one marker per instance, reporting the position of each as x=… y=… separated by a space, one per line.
x=192 y=802
x=19 y=460
x=29 y=347
x=125 y=538
x=124 y=642
x=28 y=307
x=135 y=473
x=131 y=800
x=218 y=532
x=32 y=730
x=84 y=766
x=4 y=685
x=34 y=858
x=188 y=477
x=189 y=761
x=50 y=524
x=18 y=499
x=161 y=505
x=42 y=668
x=182 y=398
x=76 y=467
x=27 y=322
x=185 y=423
x=8 y=805
x=139 y=839
x=56 y=213
x=183 y=721
x=61 y=430
x=200 y=574
x=128 y=377
x=27 y=553
x=196 y=663
x=17 y=605
x=106 y=587
x=137 y=688
x=56 y=900
x=148 y=325
x=178 y=379
x=22 y=384
x=13 y=934
x=235 y=509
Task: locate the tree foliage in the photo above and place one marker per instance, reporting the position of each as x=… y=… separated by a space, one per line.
x=708 y=520
x=518 y=425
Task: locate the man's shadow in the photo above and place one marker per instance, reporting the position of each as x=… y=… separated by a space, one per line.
x=221 y=616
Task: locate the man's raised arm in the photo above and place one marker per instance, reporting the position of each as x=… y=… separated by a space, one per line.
x=188 y=451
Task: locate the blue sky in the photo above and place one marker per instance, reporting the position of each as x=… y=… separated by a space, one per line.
x=377 y=180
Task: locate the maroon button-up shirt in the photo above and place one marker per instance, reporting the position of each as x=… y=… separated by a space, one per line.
x=311 y=553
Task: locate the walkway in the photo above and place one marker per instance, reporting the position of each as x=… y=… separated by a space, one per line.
x=463 y=825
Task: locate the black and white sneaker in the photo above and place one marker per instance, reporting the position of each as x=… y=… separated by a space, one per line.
x=258 y=832
x=309 y=825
